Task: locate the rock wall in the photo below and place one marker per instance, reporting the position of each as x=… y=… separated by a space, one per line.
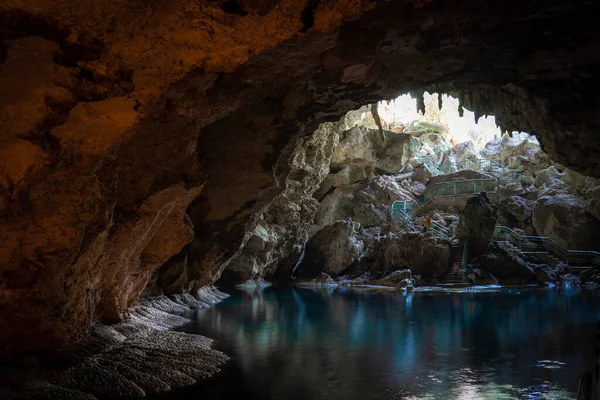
x=477 y=223
x=279 y=230
x=116 y=115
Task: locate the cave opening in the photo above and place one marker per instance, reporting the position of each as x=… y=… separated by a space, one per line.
x=171 y=173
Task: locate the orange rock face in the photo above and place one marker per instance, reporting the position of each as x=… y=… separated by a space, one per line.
x=70 y=256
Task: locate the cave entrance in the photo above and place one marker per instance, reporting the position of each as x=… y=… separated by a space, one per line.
x=407 y=168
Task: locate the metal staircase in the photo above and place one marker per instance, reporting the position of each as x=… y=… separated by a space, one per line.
x=522 y=244
x=400 y=216
x=507 y=238
x=457 y=261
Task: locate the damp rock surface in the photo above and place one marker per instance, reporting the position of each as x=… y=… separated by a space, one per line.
x=138 y=357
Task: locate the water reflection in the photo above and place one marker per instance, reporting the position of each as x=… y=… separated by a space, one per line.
x=345 y=344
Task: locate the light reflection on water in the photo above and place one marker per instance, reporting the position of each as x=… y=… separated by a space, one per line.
x=351 y=344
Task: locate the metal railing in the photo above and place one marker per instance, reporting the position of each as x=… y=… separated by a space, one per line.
x=408 y=206
x=438 y=169
x=504 y=174
x=543 y=244
x=401 y=211
x=439 y=230
x=458 y=188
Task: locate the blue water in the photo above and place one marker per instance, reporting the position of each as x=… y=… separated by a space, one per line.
x=349 y=344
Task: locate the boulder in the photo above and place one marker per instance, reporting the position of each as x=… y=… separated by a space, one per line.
x=363 y=147
x=479 y=276
x=398 y=276
x=506 y=267
x=422 y=174
x=367 y=203
x=434 y=143
x=423 y=255
x=417 y=188
x=527 y=180
x=331 y=250
x=394 y=279
x=477 y=223
x=458 y=176
x=519 y=151
x=349 y=174
x=518 y=207
x=563 y=218
x=592 y=201
x=544 y=273
x=563 y=179
x=405 y=285
x=385 y=255
x=453 y=159
x=551 y=178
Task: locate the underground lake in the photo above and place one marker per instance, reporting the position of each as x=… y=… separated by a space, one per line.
x=342 y=343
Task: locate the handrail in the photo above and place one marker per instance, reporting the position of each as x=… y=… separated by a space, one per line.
x=506 y=174
x=400 y=212
x=457 y=188
x=405 y=205
x=439 y=230
x=543 y=244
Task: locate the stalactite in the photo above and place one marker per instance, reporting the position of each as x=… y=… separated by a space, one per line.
x=375 y=114
x=419 y=96
x=440 y=102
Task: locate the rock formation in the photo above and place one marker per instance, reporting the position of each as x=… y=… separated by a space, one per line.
x=364 y=148
x=367 y=202
x=477 y=223
x=563 y=218
x=135 y=358
x=117 y=116
x=331 y=250
x=506 y=267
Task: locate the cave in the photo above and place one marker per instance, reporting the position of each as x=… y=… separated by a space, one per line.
x=170 y=171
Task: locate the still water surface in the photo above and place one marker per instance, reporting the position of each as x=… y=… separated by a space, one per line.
x=347 y=344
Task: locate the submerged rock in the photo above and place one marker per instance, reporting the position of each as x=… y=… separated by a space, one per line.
x=591 y=286
x=395 y=279
x=322 y=280
x=405 y=285
x=570 y=281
